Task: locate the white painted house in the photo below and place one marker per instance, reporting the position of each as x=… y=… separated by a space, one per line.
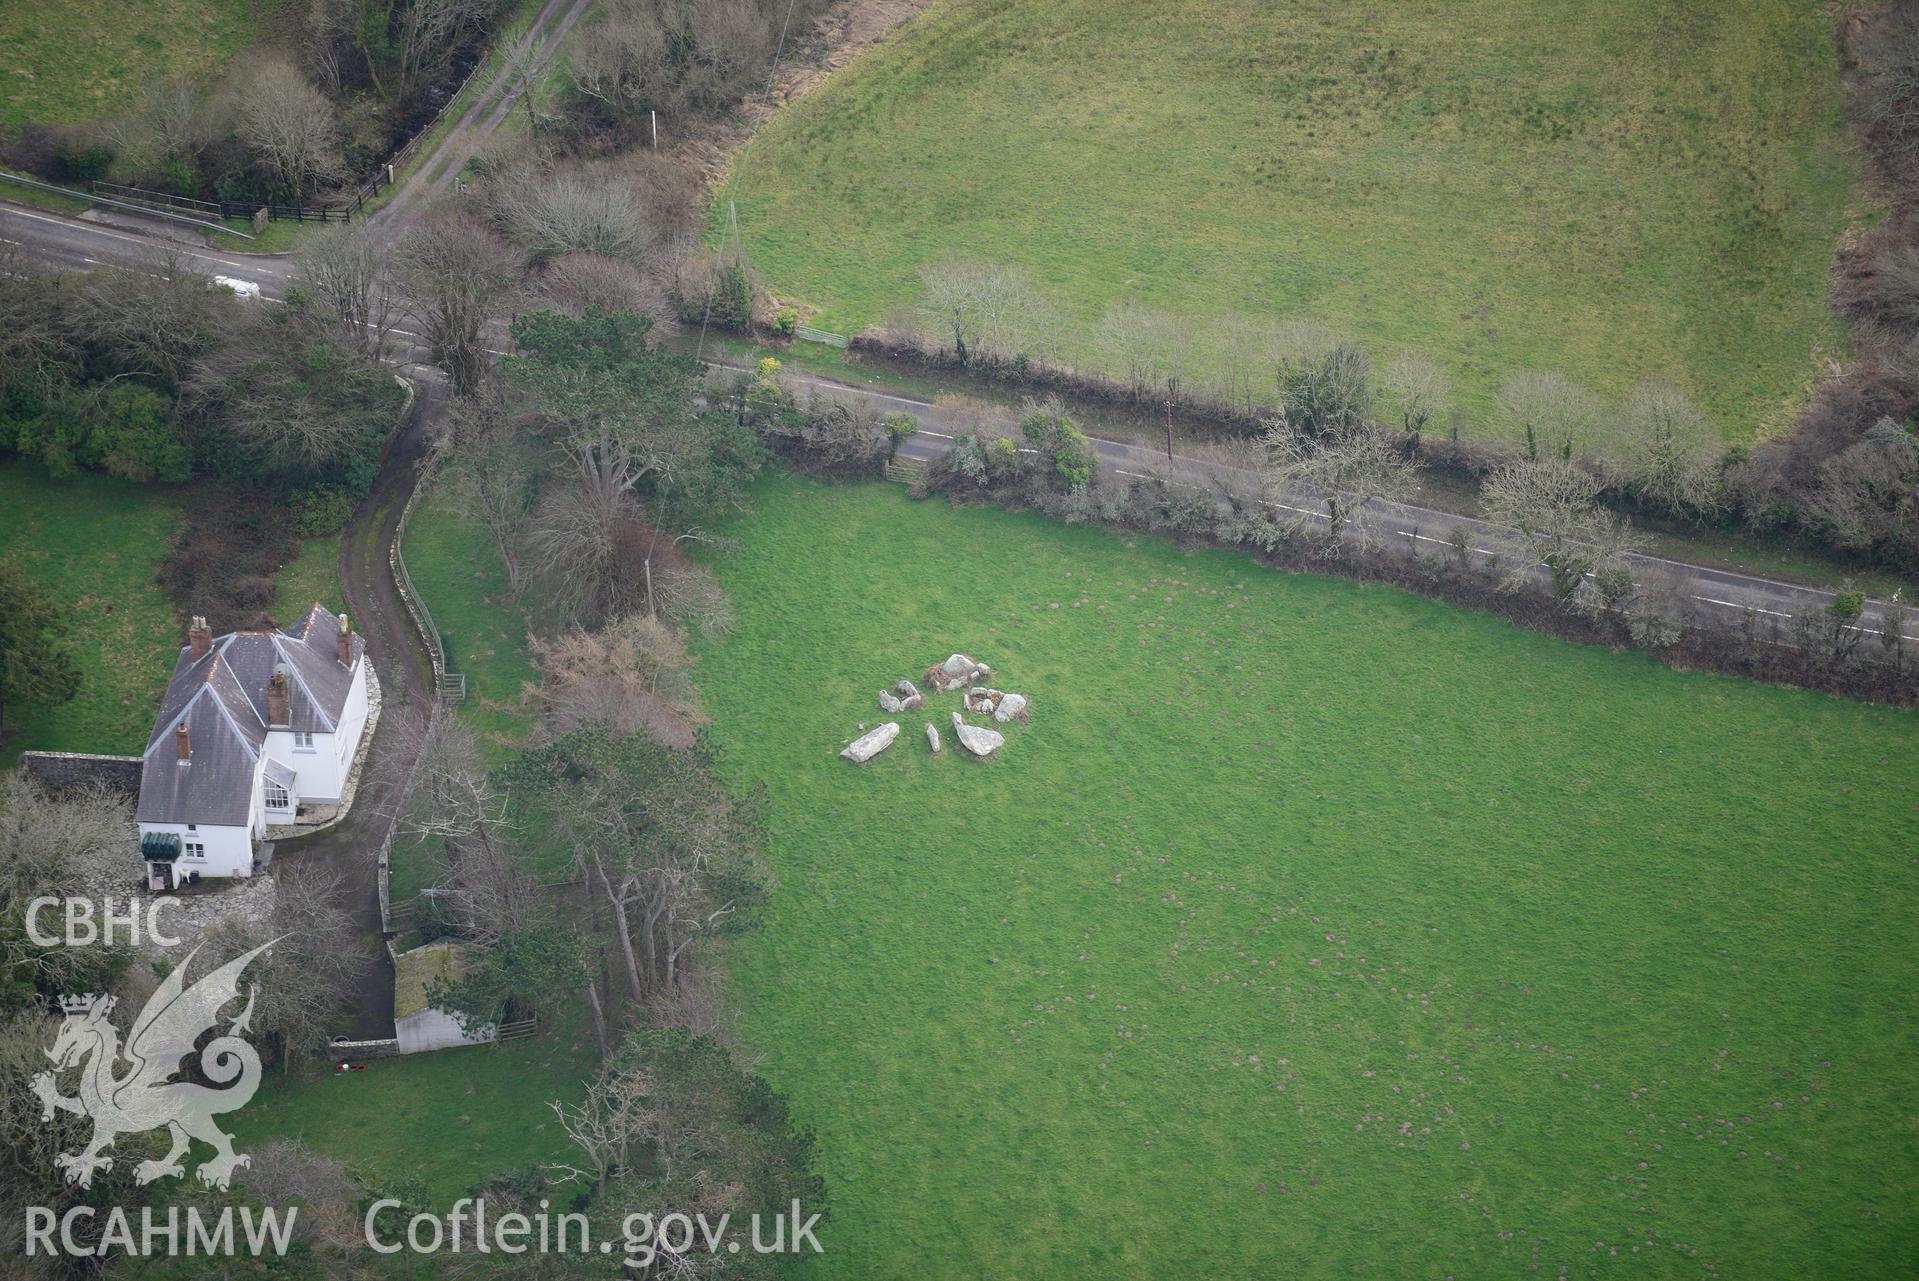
x=254 y=724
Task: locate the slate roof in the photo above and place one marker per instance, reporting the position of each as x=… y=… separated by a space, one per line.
x=222 y=697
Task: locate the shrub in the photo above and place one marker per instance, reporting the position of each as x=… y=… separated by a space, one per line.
x=81 y=162
x=901 y=425
x=785 y=321
x=322 y=511
x=1331 y=392
x=714 y=289
x=1002 y=459
x=126 y=430
x=1063 y=445
x=1655 y=629
x=764 y=396
x=840 y=439
x=135 y=436
x=969 y=459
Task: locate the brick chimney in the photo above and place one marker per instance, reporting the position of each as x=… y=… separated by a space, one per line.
x=180 y=743
x=277 y=699
x=200 y=636
x=344 y=642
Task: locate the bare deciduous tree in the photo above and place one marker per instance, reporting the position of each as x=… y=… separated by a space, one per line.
x=34 y=342
x=667 y=850
x=523 y=73
x=616 y=1116
x=586 y=282
x=675 y=56
x=251 y=387
x=573 y=212
x=48 y=840
x=1549 y=414
x=283 y=1169
x=957 y=297
x=346 y=269
x=428 y=33
x=1669 y=449
x=156 y=319
x=326 y=29
x=574 y=539
x=490 y=462
x=629 y=676
x=170 y=121
x=1553 y=505
x=1144 y=350
x=1418 y=391
x=1886 y=48
x=289 y=125
x=456 y=277
x=1868 y=493
x=1347 y=468
x=454 y=802
x=312 y=972
x=29 y=1146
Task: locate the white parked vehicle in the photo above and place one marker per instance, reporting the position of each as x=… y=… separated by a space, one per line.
x=243 y=289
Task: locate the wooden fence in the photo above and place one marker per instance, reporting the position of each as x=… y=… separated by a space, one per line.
x=224 y=209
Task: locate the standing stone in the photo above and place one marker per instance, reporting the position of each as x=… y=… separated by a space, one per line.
x=932 y=738
x=888 y=703
x=980 y=742
x=872 y=743
x=1010 y=705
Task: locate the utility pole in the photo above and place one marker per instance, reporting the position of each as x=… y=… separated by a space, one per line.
x=1172 y=391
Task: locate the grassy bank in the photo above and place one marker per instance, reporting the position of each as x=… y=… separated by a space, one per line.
x=95 y=545
x=1620 y=190
x=457 y=570
x=312 y=575
x=1306 y=923
x=480 y=1111
x=79 y=59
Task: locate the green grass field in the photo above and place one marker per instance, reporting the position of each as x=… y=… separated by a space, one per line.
x=452 y=1119
x=312 y=575
x=78 y=59
x=1619 y=190
x=1310 y=929
x=94 y=544
x=456 y=569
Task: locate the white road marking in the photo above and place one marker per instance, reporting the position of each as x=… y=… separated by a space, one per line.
x=92 y=229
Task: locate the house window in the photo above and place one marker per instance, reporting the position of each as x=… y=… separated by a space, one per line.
x=302 y=740
x=277 y=798
x=193 y=849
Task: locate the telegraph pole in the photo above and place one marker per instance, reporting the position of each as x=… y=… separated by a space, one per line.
x=1172 y=391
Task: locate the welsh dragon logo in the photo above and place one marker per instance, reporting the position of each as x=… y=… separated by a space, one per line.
x=144 y=1097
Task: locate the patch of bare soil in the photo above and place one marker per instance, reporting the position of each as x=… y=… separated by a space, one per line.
x=839 y=35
